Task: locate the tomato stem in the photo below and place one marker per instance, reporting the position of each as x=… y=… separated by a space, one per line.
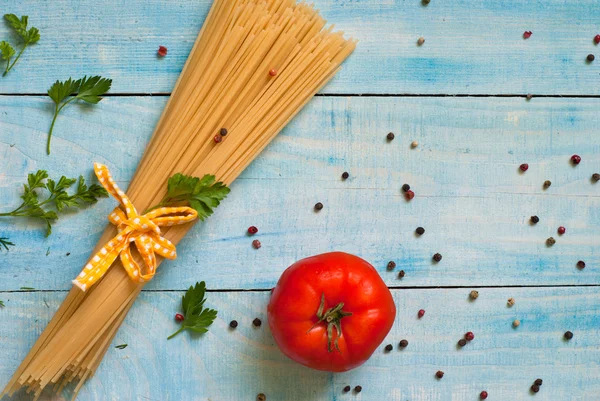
x=332 y=317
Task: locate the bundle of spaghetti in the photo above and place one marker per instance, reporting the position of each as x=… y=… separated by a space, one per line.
x=255 y=64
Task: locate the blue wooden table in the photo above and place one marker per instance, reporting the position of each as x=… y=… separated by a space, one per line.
x=461 y=95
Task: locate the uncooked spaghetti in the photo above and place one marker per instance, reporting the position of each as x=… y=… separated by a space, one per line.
x=255 y=64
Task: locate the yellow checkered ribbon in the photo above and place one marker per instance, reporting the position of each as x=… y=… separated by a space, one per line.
x=143 y=230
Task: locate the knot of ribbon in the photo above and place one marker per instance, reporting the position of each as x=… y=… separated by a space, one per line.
x=143 y=230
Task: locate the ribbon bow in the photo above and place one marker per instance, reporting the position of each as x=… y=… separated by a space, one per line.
x=143 y=230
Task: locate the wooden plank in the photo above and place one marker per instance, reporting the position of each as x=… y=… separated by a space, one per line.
x=471 y=199
x=236 y=365
x=472 y=46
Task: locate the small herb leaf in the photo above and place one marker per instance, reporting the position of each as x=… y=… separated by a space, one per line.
x=7 y=50
x=29 y=37
x=197 y=318
x=122 y=346
x=5 y=243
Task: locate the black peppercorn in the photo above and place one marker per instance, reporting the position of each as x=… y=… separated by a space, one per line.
x=257 y=322
x=345 y=175
x=596 y=177
x=538 y=382
x=437 y=257
x=261 y=397
x=420 y=230
x=391 y=265
x=439 y=374
x=403 y=343
x=390 y=136
x=590 y=57
x=550 y=241
x=535 y=388
x=581 y=264
x=358 y=389
x=405 y=187
x=233 y=324
x=401 y=274
x=568 y=335
x=462 y=342
x=318 y=206
x=347 y=388
x=223 y=131
x=389 y=347
x=535 y=219
x=547 y=184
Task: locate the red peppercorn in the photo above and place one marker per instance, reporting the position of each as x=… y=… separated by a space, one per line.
x=581 y=264
x=597 y=39
x=218 y=138
x=256 y=244
x=439 y=374
x=273 y=72
x=561 y=230
x=576 y=159
x=409 y=195
x=483 y=395
x=527 y=34
x=252 y=230
x=421 y=313
x=469 y=336
x=524 y=167
x=162 y=51
x=179 y=317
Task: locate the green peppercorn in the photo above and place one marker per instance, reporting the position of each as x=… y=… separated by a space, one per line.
x=261 y=397
x=358 y=389
x=474 y=294
x=550 y=241
x=547 y=184
x=595 y=177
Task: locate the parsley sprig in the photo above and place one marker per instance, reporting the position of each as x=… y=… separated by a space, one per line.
x=197 y=317
x=87 y=89
x=58 y=199
x=1 y=304
x=202 y=194
x=29 y=37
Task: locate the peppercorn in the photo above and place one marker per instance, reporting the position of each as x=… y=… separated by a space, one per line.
x=390 y=136
x=257 y=322
x=405 y=187
x=561 y=230
x=273 y=72
x=575 y=159
x=403 y=343
x=568 y=335
x=414 y=144
x=252 y=230
x=524 y=167
x=527 y=34
x=547 y=184
x=233 y=324
x=596 y=177
x=550 y=241
x=261 y=397
x=534 y=219
x=421 y=313
x=427 y=2
x=162 y=51
x=581 y=264
x=420 y=41
x=401 y=274
x=469 y=336
x=256 y=244
x=535 y=388
x=474 y=294
x=462 y=342
x=223 y=131
x=409 y=195
x=483 y=395
x=437 y=257
x=538 y=382
x=218 y=138
x=358 y=389
x=347 y=388
x=516 y=323
x=389 y=347
x=420 y=230
x=511 y=301
x=529 y=96
x=345 y=175
x=439 y=374
x=597 y=39
x=179 y=317
x=590 y=57
x=318 y=206
x=391 y=265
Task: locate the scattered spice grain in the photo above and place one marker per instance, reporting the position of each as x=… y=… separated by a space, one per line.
x=403 y=343
x=575 y=159
x=318 y=206
x=252 y=230
x=414 y=144
x=462 y=342
x=218 y=138
x=534 y=219
x=391 y=265
x=261 y=397
x=483 y=395
x=179 y=317
x=550 y=241
x=405 y=187
x=535 y=388
x=538 y=382
x=511 y=301
x=389 y=347
x=524 y=167
x=256 y=322
x=596 y=177
x=529 y=96
x=437 y=257
x=401 y=274
x=561 y=230
x=469 y=336
x=516 y=323
x=162 y=51
x=474 y=294
x=233 y=324
x=345 y=175
x=420 y=41
x=390 y=136
x=439 y=374
x=420 y=230
x=347 y=389
x=358 y=389
x=256 y=244
x=590 y=57
x=421 y=313
x=547 y=184
x=527 y=34
x=568 y=335
x=409 y=195
x=597 y=39
x=272 y=72
x=223 y=131
x=581 y=264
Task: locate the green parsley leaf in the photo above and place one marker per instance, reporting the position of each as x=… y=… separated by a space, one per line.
x=58 y=198
x=122 y=346
x=29 y=37
x=27 y=288
x=197 y=317
x=202 y=194
x=85 y=89
x=2 y=304
x=5 y=243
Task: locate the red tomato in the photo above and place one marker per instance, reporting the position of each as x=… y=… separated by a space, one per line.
x=330 y=292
